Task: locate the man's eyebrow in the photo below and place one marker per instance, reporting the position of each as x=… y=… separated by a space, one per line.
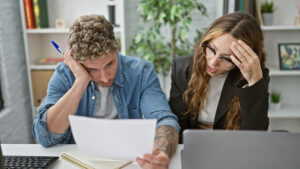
x=109 y=62
x=87 y=67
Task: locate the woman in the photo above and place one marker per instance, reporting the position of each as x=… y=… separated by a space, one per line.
x=225 y=84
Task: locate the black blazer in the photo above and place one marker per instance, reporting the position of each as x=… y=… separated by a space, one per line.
x=253 y=100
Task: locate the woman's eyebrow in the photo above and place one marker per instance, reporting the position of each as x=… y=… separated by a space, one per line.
x=214 y=45
x=223 y=54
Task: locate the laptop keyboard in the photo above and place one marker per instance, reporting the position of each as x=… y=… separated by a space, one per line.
x=30 y=162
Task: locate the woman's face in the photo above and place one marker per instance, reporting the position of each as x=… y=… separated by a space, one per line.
x=217 y=53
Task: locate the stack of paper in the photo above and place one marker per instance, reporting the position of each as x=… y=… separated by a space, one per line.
x=87 y=161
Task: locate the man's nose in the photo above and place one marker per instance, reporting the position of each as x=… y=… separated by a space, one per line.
x=103 y=77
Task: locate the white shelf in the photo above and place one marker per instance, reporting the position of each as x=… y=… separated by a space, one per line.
x=280 y=28
x=286 y=111
x=284 y=115
x=46 y=30
x=42 y=67
x=54 y=30
x=284 y=72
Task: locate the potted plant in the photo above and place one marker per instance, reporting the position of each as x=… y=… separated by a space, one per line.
x=174 y=18
x=297 y=19
x=267 y=9
x=275 y=100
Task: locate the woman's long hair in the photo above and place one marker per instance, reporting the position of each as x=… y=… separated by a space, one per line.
x=241 y=26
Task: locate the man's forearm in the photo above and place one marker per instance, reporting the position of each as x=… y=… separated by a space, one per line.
x=166 y=140
x=57 y=116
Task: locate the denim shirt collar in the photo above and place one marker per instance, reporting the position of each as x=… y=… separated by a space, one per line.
x=119 y=79
x=93 y=85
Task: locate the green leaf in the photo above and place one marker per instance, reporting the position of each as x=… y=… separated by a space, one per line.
x=182 y=34
x=138 y=38
x=172 y=12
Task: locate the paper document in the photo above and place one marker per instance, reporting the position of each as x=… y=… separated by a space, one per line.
x=114 y=139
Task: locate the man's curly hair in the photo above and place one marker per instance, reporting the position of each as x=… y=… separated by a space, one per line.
x=91 y=36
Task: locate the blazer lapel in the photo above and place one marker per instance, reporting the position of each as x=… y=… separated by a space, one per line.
x=227 y=94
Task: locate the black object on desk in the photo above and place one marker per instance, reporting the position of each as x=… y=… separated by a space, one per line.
x=12 y=162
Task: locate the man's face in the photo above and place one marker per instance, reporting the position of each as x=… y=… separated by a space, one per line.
x=103 y=70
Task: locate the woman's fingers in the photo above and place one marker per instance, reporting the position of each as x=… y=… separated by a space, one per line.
x=247 y=48
x=236 y=61
x=239 y=52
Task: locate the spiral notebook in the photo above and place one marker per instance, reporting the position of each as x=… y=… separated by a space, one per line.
x=87 y=161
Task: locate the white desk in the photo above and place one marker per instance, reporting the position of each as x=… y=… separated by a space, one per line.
x=36 y=149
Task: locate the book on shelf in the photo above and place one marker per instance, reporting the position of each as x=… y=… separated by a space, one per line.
x=87 y=161
x=249 y=6
x=40 y=12
x=49 y=60
x=230 y=6
x=29 y=18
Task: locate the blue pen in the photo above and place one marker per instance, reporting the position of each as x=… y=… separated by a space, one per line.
x=56 y=46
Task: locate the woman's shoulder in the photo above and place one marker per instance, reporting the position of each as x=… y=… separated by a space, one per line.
x=184 y=60
x=182 y=66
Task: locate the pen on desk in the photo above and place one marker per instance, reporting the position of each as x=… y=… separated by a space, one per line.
x=56 y=46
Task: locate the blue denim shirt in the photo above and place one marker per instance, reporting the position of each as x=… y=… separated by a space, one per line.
x=136 y=93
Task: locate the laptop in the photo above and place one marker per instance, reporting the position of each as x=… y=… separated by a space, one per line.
x=7 y=162
x=213 y=149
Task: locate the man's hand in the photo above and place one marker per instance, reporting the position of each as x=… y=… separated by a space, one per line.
x=165 y=144
x=78 y=70
x=156 y=160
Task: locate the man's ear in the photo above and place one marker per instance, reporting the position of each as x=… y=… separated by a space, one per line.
x=117 y=42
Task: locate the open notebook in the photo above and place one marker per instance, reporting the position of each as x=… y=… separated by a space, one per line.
x=86 y=161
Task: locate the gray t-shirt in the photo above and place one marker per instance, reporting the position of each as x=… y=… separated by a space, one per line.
x=105 y=107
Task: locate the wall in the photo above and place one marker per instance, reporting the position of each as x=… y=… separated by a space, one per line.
x=285 y=12
x=15 y=118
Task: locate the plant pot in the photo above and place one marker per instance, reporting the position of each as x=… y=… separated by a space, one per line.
x=267 y=18
x=275 y=106
x=297 y=20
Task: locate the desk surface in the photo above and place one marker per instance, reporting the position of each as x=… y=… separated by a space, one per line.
x=38 y=150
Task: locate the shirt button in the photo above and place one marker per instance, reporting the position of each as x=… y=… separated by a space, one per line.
x=93 y=97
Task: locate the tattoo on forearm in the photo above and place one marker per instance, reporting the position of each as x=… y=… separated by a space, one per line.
x=166 y=139
x=250 y=73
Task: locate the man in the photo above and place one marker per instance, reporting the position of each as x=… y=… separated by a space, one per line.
x=96 y=81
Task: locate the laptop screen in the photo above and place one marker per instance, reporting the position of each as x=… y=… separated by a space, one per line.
x=240 y=149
